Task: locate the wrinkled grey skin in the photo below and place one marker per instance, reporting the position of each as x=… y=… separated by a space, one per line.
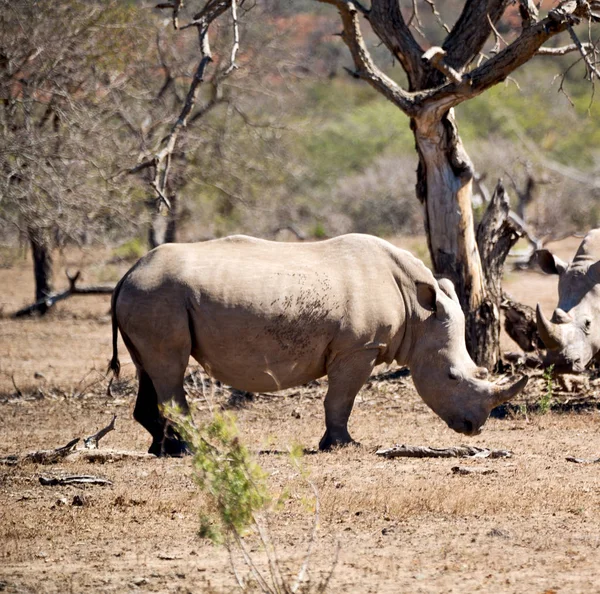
x=572 y=335
x=263 y=316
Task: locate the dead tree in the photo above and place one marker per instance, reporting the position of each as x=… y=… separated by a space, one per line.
x=160 y=162
x=438 y=79
x=496 y=234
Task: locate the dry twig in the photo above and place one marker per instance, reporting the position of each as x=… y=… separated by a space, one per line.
x=91 y=442
x=472 y=470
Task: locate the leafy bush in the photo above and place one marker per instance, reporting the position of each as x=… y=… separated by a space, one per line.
x=130 y=250
x=225 y=471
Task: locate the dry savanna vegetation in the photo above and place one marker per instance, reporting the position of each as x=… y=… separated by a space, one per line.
x=124 y=125
x=526 y=523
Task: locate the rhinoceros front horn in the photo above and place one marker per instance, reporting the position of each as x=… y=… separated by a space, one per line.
x=503 y=394
x=549 y=332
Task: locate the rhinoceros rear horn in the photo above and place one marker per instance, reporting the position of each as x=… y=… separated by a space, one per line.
x=549 y=333
x=503 y=394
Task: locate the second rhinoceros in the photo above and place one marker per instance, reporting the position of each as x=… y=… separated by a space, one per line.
x=572 y=335
x=261 y=316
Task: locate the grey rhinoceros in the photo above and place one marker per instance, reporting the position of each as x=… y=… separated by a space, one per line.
x=572 y=335
x=260 y=316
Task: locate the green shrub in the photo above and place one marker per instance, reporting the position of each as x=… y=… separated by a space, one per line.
x=224 y=470
x=546 y=397
x=130 y=250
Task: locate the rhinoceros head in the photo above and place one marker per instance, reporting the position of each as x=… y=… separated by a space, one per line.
x=445 y=376
x=572 y=334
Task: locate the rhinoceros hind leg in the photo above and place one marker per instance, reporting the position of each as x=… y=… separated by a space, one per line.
x=146 y=411
x=346 y=373
x=171 y=445
x=165 y=439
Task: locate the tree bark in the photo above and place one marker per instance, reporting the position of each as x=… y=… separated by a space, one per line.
x=42 y=264
x=163 y=225
x=444 y=186
x=474 y=264
x=496 y=235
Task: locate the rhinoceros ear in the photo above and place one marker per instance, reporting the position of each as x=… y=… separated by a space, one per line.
x=426 y=296
x=550 y=263
x=448 y=287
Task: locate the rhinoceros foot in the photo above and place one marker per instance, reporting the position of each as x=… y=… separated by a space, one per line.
x=331 y=440
x=169 y=447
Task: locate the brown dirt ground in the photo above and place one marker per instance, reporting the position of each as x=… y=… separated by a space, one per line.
x=404 y=525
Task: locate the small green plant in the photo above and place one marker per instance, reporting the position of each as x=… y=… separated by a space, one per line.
x=238 y=501
x=318 y=231
x=546 y=397
x=130 y=250
x=225 y=471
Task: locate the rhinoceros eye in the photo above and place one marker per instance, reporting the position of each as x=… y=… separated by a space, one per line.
x=587 y=324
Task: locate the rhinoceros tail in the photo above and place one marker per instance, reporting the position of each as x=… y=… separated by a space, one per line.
x=115 y=364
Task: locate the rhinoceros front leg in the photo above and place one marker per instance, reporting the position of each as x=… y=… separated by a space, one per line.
x=347 y=374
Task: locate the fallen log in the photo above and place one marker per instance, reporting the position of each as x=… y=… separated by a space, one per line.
x=75 y=455
x=41 y=456
x=408 y=451
x=80 y=479
x=43 y=305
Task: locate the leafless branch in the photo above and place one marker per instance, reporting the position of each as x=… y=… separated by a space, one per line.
x=507 y=60
x=236 y=39
x=592 y=70
x=43 y=305
x=79 y=479
x=564 y=49
x=497 y=37
x=161 y=161
x=435 y=56
x=365 y=67
x=42 y=456
x=407 y=451
x=91 y=442
x=414 y=16
x=437 y=15
x=529 y=12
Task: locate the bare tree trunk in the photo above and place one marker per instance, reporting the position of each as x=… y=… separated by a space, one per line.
x=444 y=186
x=172 y=219
x=163 y=225
x=42 y=264
x=496 y=235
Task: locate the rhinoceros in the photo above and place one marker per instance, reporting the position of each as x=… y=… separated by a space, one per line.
x=262 y=316
x=572 y=335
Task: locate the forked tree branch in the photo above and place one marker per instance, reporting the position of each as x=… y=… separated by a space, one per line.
x=388 y=24
x=499 y=67
x=365 y=67
x=462 y=45
x=472 y=30
x=161 y=160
